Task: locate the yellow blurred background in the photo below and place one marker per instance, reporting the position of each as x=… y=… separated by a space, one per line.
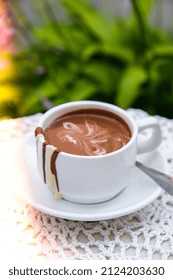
x=7 y=92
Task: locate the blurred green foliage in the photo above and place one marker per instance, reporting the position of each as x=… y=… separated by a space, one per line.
x=89 y=55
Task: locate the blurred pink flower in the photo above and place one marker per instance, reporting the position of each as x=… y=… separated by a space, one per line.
x=6 y=32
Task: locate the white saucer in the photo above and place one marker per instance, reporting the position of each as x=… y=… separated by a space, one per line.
x=137 y=195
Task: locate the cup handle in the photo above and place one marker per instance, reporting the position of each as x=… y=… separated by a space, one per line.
x=154 y=140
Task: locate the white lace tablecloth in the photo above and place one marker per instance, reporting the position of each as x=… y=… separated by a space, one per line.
x=29 y=234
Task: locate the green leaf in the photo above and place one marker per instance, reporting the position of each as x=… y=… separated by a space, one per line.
x=68 y=37
x=46 y=89
x=30 y=104
x=146 y=6
x=47 y=34
x=120 y=53
x=104 y=74
x=129 y=86
x=89 y=17
x=82 y=89
x=162 y=51
x=140 y=15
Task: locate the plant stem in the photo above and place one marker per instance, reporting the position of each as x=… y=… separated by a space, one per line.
x=141 y=21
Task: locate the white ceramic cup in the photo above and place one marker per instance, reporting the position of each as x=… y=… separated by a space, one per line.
x=93 y=179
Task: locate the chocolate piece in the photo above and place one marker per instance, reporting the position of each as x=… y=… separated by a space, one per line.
x=53 y=166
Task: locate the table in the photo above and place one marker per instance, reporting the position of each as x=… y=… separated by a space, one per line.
x=144 y=234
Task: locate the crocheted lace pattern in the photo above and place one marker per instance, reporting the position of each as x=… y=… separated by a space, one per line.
x=145 y=234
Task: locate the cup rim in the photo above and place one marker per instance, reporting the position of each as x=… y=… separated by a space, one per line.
x=99 y=105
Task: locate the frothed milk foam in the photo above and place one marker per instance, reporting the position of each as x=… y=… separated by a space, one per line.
x=88 y=132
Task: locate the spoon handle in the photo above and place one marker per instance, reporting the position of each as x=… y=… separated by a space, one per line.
x=163 y=180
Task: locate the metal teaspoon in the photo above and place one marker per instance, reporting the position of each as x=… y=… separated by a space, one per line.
x=163 y=180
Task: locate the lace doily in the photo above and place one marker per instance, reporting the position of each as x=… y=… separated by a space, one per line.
x=145 y=234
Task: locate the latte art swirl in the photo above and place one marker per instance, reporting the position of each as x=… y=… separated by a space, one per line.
x=88 y=133
x=90 y=138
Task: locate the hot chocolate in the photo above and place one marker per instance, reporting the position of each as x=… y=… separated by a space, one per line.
x=83 y=146
x=88 y=132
